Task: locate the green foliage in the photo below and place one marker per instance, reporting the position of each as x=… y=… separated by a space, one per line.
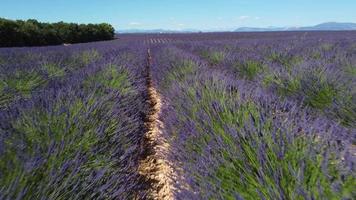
x=5 y=97
x=313 y=85
x=316 y=55
x=249 y=69
x=2 y=85
x=53 y=70
x=214 y=57
x=287 y=61
x=83 y=59
x=320 y=96
x=43 y=133
x=179 y=72
x=34 y=33
x=286 y=86
x=347 y=109
x=244 y=173
x=86 y=57
x=112 y=77
x=2 y=61
x=215 y=100
x=24 y=82
x=326 y=47
x=213 y=107
x=115 y=79
x=21 y=83
x=351 y=70
x=317 y=92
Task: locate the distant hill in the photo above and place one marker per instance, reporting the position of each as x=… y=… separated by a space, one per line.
x=329 y=26
x=335 y=26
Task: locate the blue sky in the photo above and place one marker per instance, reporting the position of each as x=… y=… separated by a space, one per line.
x=183 y=14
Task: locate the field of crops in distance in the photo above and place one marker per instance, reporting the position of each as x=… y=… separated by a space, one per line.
x=181 y=116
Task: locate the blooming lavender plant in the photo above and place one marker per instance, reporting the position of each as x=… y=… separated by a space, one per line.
x=235 y=139
x=71 y=123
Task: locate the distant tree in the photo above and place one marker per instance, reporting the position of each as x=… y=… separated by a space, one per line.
x=34 y=33
x=9 y=32
x=107 y=31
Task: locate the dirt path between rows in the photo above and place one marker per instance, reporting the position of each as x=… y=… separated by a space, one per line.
x=154 y=165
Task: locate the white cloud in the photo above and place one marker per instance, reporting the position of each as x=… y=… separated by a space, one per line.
x=244 y=17
x=181 y=24
x=134 y=23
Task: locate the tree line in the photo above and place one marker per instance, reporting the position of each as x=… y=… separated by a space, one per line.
x=33 y=33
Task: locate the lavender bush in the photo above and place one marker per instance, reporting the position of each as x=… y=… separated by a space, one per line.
x=236 y=139
x=71 y=123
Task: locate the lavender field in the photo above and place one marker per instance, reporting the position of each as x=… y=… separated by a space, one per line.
x=181 y=116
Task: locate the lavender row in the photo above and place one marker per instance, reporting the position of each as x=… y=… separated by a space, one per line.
x=76 y=134
x=232 y=139
x=316 y=71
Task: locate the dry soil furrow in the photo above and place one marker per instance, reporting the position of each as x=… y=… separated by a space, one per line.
x=154 y=165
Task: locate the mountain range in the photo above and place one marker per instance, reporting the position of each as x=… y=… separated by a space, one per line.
x=329 y=26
